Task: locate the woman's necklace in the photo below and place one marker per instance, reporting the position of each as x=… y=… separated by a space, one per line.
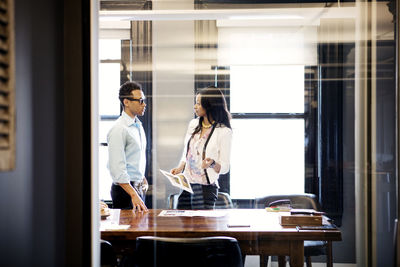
x=205 y=126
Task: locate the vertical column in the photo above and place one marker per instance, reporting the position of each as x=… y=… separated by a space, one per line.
x=362 y=136
x=139 y=69
x=397 y=39
x=94 y=112
x=173 y=92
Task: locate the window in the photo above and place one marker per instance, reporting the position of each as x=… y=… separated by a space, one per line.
x=268 y=125
x=109 y=82
x=267 y=69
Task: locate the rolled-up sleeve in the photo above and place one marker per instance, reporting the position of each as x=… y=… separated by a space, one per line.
x=225 y=150
x=116 y=155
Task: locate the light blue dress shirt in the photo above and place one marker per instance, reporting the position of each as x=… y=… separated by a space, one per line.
x=126 y=150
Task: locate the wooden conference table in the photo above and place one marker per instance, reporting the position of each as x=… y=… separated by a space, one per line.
x=257 y=231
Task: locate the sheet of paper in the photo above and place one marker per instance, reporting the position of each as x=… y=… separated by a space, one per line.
x=178 y=180
x=193 y=213
x=113 y=226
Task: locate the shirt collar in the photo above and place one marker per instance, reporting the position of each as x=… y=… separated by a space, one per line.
x=129 y=121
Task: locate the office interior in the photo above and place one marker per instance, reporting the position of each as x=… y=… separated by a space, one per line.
x=346 y=52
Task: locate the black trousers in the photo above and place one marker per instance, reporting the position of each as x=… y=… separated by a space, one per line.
x=121 y=199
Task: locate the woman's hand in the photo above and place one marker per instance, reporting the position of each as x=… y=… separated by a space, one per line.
x=210 y=163
x=178 y=169
x=206 y=163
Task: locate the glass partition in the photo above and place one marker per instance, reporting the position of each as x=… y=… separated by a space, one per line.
x=293 y=76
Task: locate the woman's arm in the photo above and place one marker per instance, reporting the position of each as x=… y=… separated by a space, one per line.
x=221 y=164
x=224 y=143
x=210 y=163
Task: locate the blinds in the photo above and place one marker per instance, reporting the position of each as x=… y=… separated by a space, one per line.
x=7 y=114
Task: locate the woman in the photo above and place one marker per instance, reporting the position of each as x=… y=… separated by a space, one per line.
x=207 y=150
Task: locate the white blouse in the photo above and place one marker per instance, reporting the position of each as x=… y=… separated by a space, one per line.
x=218 y=149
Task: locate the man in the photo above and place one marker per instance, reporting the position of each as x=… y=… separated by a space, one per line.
x=127 y=151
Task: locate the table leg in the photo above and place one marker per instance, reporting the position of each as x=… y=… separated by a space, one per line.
x=297 y=253
x=329 y=261
x=264 y=260
x=281 y=261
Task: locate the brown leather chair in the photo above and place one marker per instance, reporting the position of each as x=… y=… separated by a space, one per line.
x=297 y=201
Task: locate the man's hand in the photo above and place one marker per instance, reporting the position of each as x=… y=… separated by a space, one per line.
x=137 y=202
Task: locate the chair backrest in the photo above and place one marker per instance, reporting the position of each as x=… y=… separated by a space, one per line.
x=224 y=201
x=297 y=201
x=108 y=257
x=396 y=242
x=172 y=202
x=207 y=251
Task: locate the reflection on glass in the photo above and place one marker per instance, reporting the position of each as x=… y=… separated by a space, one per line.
x=292 y=58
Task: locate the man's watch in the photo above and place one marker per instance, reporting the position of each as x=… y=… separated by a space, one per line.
x=212 y=165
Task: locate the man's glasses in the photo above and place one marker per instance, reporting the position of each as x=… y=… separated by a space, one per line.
x=140 y=100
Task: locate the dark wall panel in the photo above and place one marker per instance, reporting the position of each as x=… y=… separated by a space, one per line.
x=16 y=185
x=31 y=195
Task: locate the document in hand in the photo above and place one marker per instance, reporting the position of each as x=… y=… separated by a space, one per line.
x=179 y=180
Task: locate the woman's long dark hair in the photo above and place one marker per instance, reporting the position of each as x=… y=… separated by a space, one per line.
x=214 y=103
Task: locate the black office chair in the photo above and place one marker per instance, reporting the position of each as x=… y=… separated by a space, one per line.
x=297 y=201
x=219 y=251
x=172 y=202
x=396 y=239
x=224 y=201
x=107 y=255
